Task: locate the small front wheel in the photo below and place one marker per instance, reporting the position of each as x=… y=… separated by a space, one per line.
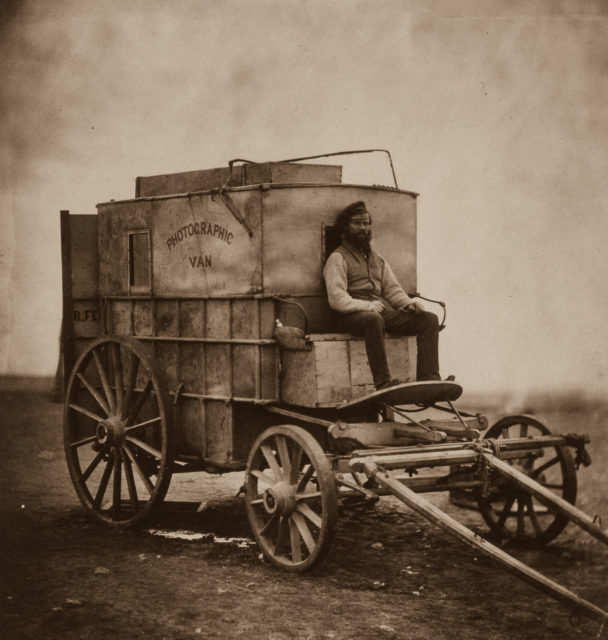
x=291 y=497
x=512 y=513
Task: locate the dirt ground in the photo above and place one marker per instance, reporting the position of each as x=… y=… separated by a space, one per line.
x=62 y=576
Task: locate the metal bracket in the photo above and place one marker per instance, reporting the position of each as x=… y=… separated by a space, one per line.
x=234 y=210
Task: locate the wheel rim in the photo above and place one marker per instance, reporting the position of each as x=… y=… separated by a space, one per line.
x=290 y=497
x=117 y=432
x=512 y=513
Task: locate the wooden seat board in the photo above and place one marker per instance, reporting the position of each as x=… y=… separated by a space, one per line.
x=418 y=393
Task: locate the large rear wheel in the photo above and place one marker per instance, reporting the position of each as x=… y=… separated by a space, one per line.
x=117 y=432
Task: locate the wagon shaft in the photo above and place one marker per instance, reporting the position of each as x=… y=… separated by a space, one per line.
x=385 y=480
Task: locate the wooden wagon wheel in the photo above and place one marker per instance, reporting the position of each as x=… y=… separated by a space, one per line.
x=512 y=513
x=117 y=432
x=291 y=497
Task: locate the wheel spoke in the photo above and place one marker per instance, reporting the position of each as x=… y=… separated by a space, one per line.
x=84 y=441
x=304 y=531
x=504 y=514
x=96 y=460
x=260 y=475
x=144 y=478
x=283 y=456
x=523 y=430
x=269 y=525
x=307 y=496
x=86 y=412
x=532 y=515
x=117 y=485
x=521 y=517
x=131 y=482
x=295 y=541
x=305 y=510
x=272 y=461
x=143 y=424
x=145 y=446
x=304 y=480
x=130 y=381
x=101 y=489
x=143 y=396
x=104 y=382
x=295 y=464
x=281 y=538
x=89 y=387
x=543 y=467
x=117 y=370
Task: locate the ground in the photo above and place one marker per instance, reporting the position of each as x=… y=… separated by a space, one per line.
x=389 y=574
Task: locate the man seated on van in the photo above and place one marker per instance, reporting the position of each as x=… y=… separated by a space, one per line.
x=369 y=301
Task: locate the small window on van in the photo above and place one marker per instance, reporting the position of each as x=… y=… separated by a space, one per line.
x=331 y=240
x=140 y=262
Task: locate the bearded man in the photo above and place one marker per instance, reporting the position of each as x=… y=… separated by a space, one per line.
x=369 y=301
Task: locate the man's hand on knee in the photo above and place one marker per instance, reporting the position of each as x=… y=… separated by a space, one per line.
x=378 y=307
x=416 y=307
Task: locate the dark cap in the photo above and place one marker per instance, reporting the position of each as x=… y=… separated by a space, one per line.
x=348 y=212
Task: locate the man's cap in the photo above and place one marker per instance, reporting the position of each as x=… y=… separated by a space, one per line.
x=354 y=208
x=349 y=211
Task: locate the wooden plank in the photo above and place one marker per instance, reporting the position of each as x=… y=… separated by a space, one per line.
x=298 y=380
x=245 y=321
x=192 y=367
x=218 y=370
x=419 y=433
x=143 y=319
x=382 y=433
x=269 y=372
x=167 y=360
x=84 y=257
x=401 y=356
x=187 y=181
x=360 y=373
x=447 y=523
x=190 y=426
x=218 y=319
x=167 y=320
x=244 y=370
x=121 y=318
x=191 y=318
x=267 y=318
x=67 y=350
x=333 y=377
x=219 y=430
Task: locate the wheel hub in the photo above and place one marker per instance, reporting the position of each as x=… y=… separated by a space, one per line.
x=110 y=431
x=280 y=498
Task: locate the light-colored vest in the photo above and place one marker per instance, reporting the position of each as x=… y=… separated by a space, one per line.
x=364 y=275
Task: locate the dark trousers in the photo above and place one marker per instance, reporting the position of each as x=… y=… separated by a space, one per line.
x=373 y=326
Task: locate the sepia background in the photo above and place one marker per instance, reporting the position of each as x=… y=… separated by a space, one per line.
x=495 y=112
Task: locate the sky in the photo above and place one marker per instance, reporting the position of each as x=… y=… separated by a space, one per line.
x=495 y=112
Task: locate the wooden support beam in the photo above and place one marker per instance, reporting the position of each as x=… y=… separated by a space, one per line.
x=419 y=433
x=548 y=498
x=447 y=523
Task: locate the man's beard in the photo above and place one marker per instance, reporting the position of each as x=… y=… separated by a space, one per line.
x=361 y=239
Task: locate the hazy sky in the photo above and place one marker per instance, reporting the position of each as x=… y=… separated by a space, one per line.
x=496 y=112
